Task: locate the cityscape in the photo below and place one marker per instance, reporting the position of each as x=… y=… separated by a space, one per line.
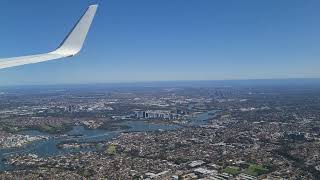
x=268 y=129
x=160 y=90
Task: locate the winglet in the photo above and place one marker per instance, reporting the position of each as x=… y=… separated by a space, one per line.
x=73 y=43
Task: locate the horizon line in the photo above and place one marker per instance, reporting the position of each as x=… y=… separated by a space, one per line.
x=155 y=81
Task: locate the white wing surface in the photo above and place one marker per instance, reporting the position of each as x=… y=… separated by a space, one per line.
x=71 y=45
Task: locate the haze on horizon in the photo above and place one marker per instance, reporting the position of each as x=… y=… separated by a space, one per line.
x=165 y=40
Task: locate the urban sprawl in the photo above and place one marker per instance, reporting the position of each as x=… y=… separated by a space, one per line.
x=207 y=132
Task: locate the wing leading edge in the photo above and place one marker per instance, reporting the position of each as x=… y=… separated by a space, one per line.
x=71 y=45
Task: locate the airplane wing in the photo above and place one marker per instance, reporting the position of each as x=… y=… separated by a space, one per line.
x=71 y=45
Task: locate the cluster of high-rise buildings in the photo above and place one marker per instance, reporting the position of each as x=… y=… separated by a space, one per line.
x=156 y=114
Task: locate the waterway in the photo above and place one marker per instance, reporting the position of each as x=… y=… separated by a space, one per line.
x=80 y=134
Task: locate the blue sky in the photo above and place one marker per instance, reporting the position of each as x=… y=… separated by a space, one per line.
x=160 y=40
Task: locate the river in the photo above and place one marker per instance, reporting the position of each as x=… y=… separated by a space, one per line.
x=48 y=147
